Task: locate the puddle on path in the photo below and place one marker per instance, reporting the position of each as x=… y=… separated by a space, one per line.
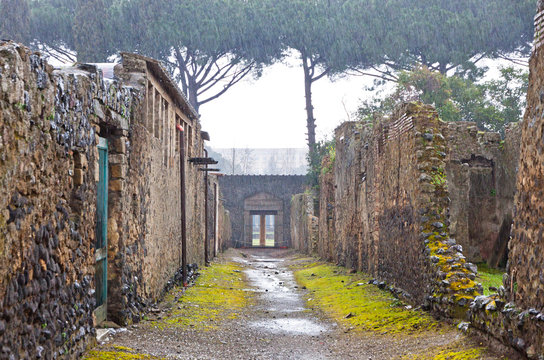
x=282 y=307
x=291 y=326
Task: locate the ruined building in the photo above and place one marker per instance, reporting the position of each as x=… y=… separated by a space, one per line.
x=516 y=314
x=90 y=197
x=413 y=192
x=260 y=208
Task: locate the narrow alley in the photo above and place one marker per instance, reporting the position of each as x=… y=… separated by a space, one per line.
x=262 y=312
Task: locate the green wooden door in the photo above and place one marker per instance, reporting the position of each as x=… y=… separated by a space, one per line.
x=101 y=253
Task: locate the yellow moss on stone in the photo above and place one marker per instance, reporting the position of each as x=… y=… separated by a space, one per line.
x=217 y=294
x=462 y=284
x=351 y=301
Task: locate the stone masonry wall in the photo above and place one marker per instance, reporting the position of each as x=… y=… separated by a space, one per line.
x=326 y=212
x=515 y=315
x=481 y=171
x=237 y=188
x=48 y=195
x=304 y=225
x=151 y=188
x=389 y=209
x=50 y=121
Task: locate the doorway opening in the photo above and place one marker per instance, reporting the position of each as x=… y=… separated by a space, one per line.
x=263 y=226
x=101 y=246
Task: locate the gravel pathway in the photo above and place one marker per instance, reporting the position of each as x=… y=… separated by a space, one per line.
x=277 y=325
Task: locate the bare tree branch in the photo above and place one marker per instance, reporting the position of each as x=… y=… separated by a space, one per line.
x=384 y=77
x=324 y=73
x=56 y=52
x=218 y=75
x=235 y=79
x=516 y=61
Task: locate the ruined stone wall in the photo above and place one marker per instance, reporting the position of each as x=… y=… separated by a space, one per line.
x=144 y=229
x=304 y=225
x=238 y=188
x=48 y=172
x=219 y=232
x=481 y=171
x=326 y=212
x=225 y=230
x=389 y=209
x=347 y=172
x=526 y=256
x=515 y=315
x=49 y=127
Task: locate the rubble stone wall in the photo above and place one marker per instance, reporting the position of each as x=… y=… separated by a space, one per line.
x=326 y=212
x=481 y=171
x=304 y=225
x=515 y=315
x=384 y=209
x=48 y=170
x=50 y=121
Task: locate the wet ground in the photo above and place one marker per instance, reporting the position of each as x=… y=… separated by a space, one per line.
x=277 y=325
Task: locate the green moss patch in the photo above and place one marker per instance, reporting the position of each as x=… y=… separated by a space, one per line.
x=218 y=294
x=351 y=301
x=489 y=277
x=456 y=351
x=118 y=352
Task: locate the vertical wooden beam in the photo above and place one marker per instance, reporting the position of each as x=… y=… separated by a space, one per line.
x=183 y=210
x=263 y=230
x=206 y=235
x=215 y=218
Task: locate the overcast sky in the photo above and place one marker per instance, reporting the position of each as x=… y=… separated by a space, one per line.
x=270 y=112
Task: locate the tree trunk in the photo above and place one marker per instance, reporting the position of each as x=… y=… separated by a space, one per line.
x=310 y=120
x=192 y=94
x=443 y=68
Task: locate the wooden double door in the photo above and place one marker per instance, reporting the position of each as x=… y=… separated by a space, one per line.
x=263 y=229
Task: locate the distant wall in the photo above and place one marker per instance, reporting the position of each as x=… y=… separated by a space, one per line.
x=304 y=225
x=237 y=189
